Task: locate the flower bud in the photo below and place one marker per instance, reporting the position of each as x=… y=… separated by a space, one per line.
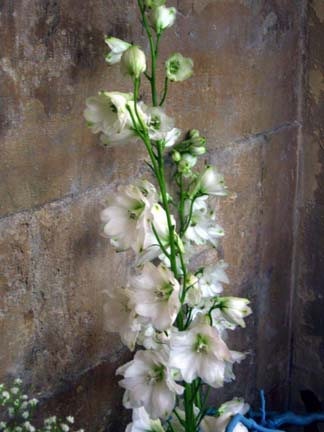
x=176 y=156
x=235 y=309
x=187 y=162
x=178 y=68
x=194 y=133
x=198 y=151
x=198 y=141
x=133 y=62
x=163 y=18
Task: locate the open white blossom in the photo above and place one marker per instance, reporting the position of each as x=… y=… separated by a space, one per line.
x=118 y=47
x=155 y=292
x=162 y=17
x=143 y=423
x=212 y=279
x=200 y=352
x=202 y=227
x=161 y=126
x=127 y=219
x=178 y=68
x=149 y=383
x=235 y=309
x=210 y=182
x=107 y=113
x=120 y=316
x=225 y=413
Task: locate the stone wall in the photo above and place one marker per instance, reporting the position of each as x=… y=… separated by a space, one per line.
x=55 y=178
x=307 y=366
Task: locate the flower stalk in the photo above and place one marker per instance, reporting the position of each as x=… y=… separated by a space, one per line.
x=174 y=313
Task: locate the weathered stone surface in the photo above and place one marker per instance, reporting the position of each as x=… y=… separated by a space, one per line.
x=308 y=330
x=16 y=310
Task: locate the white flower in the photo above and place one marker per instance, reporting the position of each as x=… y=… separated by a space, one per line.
x=211 y=182
x=202 y=227
x=142 y=422
x=178 y=68
x=193 y=295
x=155 y=293
x=149 y=248
x=64 y=427
x=3 y=425
x=226 y=412
x=150 y=338
x=234 y=309
x=149 y=383
x=5 y=395
x=120 y=317
x=70 y=419
x=18 y=381
x=117 y=47
x=29 y=427
x=133 y=62
x=33 y=402
x=162 y=18
x=25 y=415
x=107 y=113
x=14 y=390
x=126 y=218
x=161 y=126
x=212 y=279
x=200 y=352
x=187 y=162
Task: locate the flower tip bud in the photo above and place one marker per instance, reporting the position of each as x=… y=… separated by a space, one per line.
x=133 y=62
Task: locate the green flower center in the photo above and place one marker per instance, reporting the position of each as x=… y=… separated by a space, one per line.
x=174 y=66
x=201 y=344
x=155 y=122
x=164 y=292
x=156 y=374
x=135 y=212
x=113 y=108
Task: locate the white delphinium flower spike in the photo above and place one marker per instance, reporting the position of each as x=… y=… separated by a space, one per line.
x=178 y=68
x=202 y=227
x=143 y=423
x=200 y=352
x=155 y=293
x=148 y=382
x=161 y=126
x=235 y=309
x=120 y=316
x=118 y=47
x=225 y=413
x=126 y=218
x=212 y=278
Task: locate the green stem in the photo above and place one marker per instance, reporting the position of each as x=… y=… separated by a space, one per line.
x=154 y=53
x=165 y=91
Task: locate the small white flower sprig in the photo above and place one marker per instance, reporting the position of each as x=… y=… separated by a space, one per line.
x=19 y=410
x=170 y=309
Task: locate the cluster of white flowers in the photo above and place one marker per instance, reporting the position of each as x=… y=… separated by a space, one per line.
x=176 y=315
x=19 y=410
